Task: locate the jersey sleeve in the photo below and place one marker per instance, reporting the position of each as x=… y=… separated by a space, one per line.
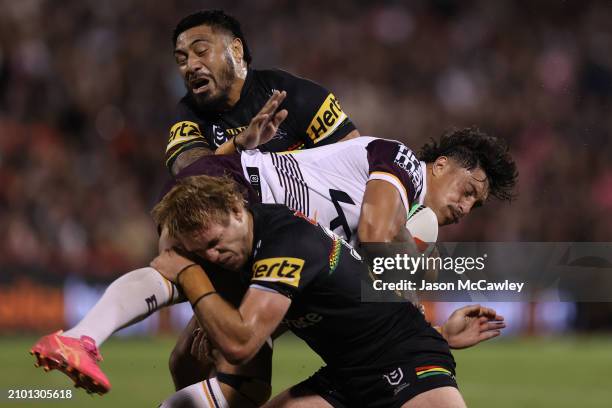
x=394 y=163
x=227 y=165
x=185 y=134
x=284 y=266
x=317 y=112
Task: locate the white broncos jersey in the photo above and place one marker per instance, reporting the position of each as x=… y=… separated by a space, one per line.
x=327 y=183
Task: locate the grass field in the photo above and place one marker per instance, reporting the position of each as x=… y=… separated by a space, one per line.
x=569 y=372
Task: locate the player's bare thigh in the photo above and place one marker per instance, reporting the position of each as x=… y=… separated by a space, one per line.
x=443 y=397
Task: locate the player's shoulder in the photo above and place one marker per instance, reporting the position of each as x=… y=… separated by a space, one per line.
x=185 y=111
x=276 y=224
x=289 y=251
x=282 y=79
x=274 y=75
x=381 y=148
x=392 y=161
x=379 y=141
x=277 y=218
x=185 y=105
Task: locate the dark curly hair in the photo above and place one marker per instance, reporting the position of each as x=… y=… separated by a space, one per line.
x=213 y=19
x=473 y=148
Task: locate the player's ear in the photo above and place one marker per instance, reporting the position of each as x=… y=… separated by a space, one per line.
x=237 y=49
x=440 y=165
x=237 y=210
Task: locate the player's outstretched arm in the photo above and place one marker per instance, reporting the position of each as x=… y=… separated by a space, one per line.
x=470 y=325
x=261 y=129
x=237 y=333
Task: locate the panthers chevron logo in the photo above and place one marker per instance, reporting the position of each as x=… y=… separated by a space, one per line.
x=395 y=376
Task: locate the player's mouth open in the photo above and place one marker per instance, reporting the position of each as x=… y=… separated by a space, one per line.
x=199 y=85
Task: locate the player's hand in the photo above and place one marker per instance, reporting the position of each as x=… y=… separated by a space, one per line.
x=169 y=263
x=470 y=325
x=264 y=125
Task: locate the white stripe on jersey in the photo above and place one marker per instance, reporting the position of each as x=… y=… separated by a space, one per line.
x=325 y=183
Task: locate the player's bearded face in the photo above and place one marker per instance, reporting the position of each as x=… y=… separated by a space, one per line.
x=454 y=191
x=206 y=64
x=214 y=94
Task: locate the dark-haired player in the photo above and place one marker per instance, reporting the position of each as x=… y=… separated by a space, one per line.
x=224 y=94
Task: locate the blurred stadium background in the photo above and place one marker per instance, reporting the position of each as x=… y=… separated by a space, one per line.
x=86 y=93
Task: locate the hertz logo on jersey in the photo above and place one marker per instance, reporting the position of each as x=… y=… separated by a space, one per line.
x=284 y=270
x=183 y=132
x=327 y=119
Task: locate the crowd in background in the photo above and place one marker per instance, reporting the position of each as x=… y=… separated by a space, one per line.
x=87 y=90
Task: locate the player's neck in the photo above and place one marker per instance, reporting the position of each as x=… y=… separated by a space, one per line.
x=236 y=89
x=250 y=229
x=428 y=180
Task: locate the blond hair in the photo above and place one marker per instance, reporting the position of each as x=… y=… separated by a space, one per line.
x=195 y=202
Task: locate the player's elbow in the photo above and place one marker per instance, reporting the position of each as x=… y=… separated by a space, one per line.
x=238 y=349
x=238 y=354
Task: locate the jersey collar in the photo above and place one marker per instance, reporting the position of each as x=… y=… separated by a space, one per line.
x=257 y=228
x=246 y=87
x=244 y=92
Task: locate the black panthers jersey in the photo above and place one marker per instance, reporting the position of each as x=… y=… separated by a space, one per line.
x=321 y=274
x=315 y=116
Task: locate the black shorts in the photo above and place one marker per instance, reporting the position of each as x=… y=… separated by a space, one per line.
x=388 y=387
